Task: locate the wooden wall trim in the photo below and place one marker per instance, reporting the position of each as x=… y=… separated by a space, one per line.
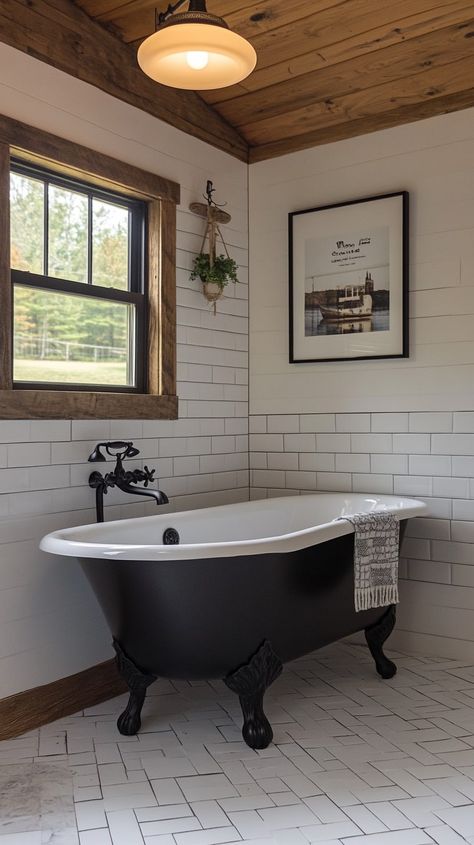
x=85 y=405
x=61 y=34
x=28 y=710
x=66 y=156
x=154 y=265
x=6 y=307
x=167 y=299
x=162 y=298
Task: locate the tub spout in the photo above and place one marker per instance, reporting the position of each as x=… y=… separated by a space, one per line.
x=160 y=497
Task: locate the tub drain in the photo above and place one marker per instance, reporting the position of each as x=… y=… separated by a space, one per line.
x=170 y=537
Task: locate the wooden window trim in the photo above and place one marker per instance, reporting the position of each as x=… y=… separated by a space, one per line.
x=161 y=195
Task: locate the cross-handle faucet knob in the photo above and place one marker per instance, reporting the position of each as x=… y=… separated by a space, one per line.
x=149 y=475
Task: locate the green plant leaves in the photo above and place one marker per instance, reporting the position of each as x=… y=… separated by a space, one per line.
x=223 y=270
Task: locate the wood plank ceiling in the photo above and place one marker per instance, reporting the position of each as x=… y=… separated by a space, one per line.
x=329 y=69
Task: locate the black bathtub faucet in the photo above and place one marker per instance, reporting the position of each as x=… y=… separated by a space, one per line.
x=119 y=477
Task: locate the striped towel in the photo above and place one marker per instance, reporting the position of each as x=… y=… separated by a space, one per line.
x=376 y=552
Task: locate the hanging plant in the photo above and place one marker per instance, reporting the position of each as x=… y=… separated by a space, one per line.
x=222 y=271
x=214 y=271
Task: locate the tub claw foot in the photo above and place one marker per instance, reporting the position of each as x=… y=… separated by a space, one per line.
x=250 y=683
x=129 y=722
x=376 y=635
x=257 y=730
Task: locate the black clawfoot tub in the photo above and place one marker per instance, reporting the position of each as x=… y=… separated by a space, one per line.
x=243 y=589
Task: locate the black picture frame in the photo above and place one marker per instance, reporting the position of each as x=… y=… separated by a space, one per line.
x=312 y=337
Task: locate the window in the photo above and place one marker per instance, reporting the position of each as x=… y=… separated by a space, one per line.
x=79 y=305
x=87 y=283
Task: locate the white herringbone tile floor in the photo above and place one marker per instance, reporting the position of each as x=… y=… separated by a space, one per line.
x=355 y=760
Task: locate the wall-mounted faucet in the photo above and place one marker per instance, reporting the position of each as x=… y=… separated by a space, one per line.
x=119 y=477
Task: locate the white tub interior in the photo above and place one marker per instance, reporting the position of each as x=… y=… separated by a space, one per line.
x=258 y=527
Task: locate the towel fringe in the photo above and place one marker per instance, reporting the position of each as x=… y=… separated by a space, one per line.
x=380 y=596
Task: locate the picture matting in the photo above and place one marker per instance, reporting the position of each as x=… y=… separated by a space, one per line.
x=349 y=280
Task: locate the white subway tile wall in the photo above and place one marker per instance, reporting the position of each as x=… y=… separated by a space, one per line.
x=438 y=549
x=50 y=624
x=402 y=426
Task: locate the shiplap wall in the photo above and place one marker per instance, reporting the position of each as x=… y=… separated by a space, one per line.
x=50 y=624
x=402 y=426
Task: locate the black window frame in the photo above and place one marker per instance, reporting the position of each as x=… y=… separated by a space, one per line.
x=136 y=295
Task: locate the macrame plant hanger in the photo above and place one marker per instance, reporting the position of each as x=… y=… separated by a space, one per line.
x=214 y=215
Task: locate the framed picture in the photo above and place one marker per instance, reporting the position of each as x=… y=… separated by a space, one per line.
x=349 y=280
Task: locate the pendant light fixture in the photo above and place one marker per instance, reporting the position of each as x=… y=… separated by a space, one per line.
x=195 y=50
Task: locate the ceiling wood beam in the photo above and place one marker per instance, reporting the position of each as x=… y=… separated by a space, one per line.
x=354 y=128
x=61 y=34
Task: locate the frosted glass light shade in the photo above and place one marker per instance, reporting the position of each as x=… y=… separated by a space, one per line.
x=167 y=56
